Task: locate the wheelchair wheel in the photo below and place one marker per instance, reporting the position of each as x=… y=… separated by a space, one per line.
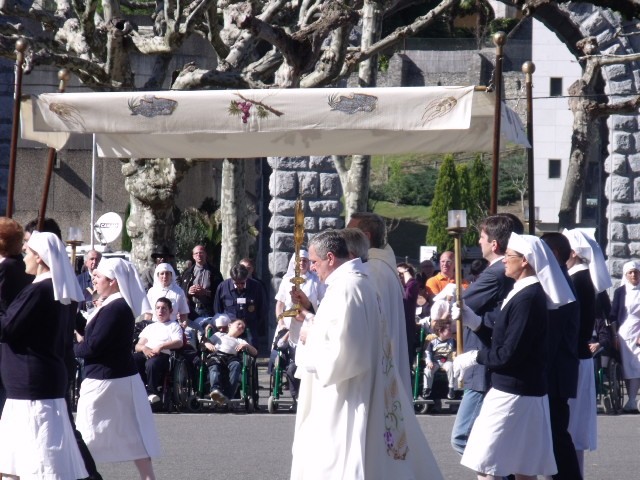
x=249 y=405
x=272 y=404
x=193 y=404
x=616 y=385
x=420 y=407
x=182 y=384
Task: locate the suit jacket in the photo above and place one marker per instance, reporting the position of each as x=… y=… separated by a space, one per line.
x=484 y=297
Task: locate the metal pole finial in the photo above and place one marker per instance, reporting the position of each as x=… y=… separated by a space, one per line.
x=528 y=67
x=21 y=45
x=499 y=39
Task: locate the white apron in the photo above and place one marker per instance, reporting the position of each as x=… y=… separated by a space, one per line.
x=512 y=434
x=37 y=441
x=115 y=420
x=628 y=334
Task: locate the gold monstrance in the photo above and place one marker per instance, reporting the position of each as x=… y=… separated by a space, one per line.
x=298 y=238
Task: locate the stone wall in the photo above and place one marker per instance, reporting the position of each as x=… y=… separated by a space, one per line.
x=622 y=187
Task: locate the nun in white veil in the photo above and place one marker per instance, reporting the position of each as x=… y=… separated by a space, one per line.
x=628 y=318
x=36 y=437
x=114 y=415
x=512 y=434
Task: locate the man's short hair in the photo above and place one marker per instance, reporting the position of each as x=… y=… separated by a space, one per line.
x=239 y=273
x=498 y=228
x=330 y=241
x=559 y=245
x=357 y=243
x=374 y=225
x=49 y=225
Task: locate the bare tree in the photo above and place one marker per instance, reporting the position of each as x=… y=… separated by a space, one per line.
x=586 y=110
x=264 y=44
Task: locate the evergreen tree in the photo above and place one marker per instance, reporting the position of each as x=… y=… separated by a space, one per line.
x=470 y=237
x=479 y=198
x=446 y=197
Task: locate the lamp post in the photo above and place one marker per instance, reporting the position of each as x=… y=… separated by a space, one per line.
x=74 y=241
x=456 y=226
x=528 y=68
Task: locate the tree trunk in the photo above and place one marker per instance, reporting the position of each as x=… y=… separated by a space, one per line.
x=152 y=185
x=234 y=215
x=355 y=183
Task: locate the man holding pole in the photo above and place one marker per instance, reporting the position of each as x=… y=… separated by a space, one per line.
x=483 y=298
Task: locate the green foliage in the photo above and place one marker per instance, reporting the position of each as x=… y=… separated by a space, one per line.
x=446 y=197
x=407 y=186
x=196 y=227
x=467 y=201
x=383 y=63
x=126 y=239
x=512 y=176
x=480 y=198
x=502 y=25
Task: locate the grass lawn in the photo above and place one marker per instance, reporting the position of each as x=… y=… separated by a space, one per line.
x=408 y=229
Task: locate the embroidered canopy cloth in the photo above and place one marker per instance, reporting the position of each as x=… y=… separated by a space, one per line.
x=286 y=122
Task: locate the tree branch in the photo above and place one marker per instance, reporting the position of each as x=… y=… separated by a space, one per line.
x=399 y=34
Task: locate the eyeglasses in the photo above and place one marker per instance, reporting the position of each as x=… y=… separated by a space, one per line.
x=513 y=255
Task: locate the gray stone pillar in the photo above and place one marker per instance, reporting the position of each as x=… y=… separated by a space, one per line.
x=316 y=181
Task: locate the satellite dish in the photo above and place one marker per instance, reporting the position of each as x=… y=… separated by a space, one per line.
x=107 y=228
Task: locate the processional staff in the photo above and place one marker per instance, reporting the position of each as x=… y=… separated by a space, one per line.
x=499 y=39
x=21 y=47
x=63 y=77
x=456 y=226
x=298 y=239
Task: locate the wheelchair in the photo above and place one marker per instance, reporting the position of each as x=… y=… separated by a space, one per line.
x=246 y=396
x=437 y=401
x=276 y=379
x=610 y=386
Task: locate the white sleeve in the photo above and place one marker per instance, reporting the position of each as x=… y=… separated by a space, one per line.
x=176 y=331
x=183 y=306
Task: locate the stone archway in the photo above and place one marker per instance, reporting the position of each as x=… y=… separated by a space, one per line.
x=621 y=163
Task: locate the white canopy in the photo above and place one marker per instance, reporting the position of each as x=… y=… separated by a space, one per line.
x=279 y=122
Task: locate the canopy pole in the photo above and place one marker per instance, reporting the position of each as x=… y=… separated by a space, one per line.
x=499 y=39
x=21 y=47
x=63 y=77
x=93 y=189
x=528 y=68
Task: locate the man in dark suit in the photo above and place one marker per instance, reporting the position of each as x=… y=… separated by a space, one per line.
x=484 y=297
x=562 y=378
x=91 y=260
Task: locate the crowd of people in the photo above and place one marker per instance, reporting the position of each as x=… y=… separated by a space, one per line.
x=534 y=311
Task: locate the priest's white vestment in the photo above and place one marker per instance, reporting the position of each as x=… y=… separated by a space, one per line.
x=354 y=420
x=382 y=270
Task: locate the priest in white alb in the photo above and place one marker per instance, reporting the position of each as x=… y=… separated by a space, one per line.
x=382 y=270
x=355 y=421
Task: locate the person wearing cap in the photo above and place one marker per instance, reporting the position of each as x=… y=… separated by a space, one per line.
x=590 y=276
x=625 y=312
x=113 y=412
x=35 y=430
x=242 y=297
x=517 y=358
x=162 y=255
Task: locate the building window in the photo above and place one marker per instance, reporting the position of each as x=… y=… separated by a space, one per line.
x=555 y=87
x=554 y=168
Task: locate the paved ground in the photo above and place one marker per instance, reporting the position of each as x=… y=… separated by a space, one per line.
x=258 y=446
